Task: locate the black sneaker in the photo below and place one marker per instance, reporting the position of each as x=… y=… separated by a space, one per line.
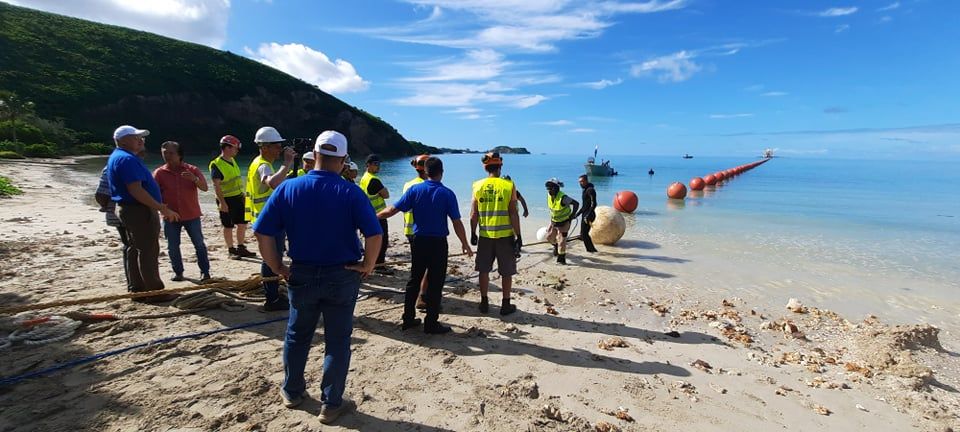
x=562 y=259
x=178 y=277
x=276 y=305
x=233 y=253
x=243 y=252
x=409 y=324
x=205 y=277
x=484 y=305
x=436 y=328
x=506 y=308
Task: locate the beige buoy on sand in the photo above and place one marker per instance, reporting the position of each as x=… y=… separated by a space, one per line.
x=608 y=227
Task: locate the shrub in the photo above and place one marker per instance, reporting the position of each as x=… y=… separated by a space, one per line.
x=7 y=188
x=7 y=154
x=92 y=148
x=11 y=146
x=25 y=132
x=40 y=150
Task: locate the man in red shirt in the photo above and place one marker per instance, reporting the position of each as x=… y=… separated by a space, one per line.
x=179 y=182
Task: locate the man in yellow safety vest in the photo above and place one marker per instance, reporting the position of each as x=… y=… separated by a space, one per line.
x=562 y=209
x=229 y=185
x=261 y=181
x=377 y=193
x=418 y=165
x=494 y=211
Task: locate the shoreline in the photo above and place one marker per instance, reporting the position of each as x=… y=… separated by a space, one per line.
x=494 y=374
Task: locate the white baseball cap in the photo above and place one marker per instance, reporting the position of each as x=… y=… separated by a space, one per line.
x=125 y=130
x=331 y=143
x=308 y=156
x=353 y=166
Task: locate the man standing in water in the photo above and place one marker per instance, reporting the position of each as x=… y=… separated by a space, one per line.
x=494 y=210
x=261 y=181
x=587 y=212
x=228 y=184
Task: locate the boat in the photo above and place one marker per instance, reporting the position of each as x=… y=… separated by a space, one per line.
x=687 y=156
x=603 y=169
x=768 y=153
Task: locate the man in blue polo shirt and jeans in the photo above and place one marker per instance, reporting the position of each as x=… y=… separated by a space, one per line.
x=133 y=188
x=320 y=213
x=432 y=203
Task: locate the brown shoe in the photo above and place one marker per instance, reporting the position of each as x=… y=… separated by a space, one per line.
x=159 y=298
x=329 y=414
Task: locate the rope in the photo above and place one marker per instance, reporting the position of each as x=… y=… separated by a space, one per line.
x=33 y=330
x=6 y=381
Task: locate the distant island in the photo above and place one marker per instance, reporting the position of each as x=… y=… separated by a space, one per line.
x=444 y=150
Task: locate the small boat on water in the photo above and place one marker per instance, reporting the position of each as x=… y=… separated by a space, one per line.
x=603 y=169
x=768 y=153
x=687 y=156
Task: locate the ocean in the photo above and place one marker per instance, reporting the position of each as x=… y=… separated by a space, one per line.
x=856 y=236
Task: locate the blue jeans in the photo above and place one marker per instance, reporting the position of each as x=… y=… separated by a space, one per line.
x=272 y=289
x=329 y=292
x=171 y=230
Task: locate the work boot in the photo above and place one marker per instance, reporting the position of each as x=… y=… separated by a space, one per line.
x=506 y=308
x=562 y=259
x=436 y=328
x=409 y=324
x=178 y=277
x=205 y=278
x=244 y=253
x=276 y=305
x=484 y=305
x=555 y=251
x=233 y=253
x=328 y=414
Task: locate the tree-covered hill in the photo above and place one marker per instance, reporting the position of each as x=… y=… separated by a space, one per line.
x=95 y=77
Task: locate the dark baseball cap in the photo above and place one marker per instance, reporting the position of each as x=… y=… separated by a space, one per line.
x=373 y=158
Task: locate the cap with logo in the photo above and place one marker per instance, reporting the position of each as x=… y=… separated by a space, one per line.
x=126 y=130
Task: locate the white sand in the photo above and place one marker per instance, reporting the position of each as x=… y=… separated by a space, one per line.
x=490 y=374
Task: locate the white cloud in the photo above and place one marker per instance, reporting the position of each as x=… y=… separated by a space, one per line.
x=602 y=84
x=675 y=67
x=891 y=6
x=528 y=101
x=582 y=130
x=478 y=65
x=885 y=19
x=466 y=95
x=775 y=93
x=730 y=116
x=525 y=25
x=199 y=21
x=310 y=65
x=842 y=28
x=838 y=11
x=754 y=87
x=557 y=123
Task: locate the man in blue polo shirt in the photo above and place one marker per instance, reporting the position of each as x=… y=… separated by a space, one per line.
x=137 y=194
x=431 y=203
x=320 y=213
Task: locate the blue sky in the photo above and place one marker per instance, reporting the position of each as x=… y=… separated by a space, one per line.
x=873 y=79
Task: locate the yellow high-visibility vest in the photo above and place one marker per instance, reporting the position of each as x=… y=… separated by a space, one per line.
x=558 y=211
x=256 y=199
x=408 y=216
x=232 y=183
x=375 y=200
x=493 y=205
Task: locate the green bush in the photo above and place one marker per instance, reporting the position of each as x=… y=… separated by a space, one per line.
x=7 y=188
x=7 y=154
x=93 y=148
x=25 y=132
x=11 y=146
x=41 y=150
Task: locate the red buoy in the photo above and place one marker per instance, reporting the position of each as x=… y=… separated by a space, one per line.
x=625 y=201
x=677 y=191
x=697 y=183
x=710 y=179
x=720 y=176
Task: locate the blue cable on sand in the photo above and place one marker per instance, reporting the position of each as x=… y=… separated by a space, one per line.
x=6 y=381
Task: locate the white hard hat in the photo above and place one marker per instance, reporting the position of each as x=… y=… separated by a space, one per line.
x=267 y=134
x=353 y=166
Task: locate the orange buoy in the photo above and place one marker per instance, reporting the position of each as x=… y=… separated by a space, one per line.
x=720 y=176
x=697 y=183
x=710 y=179
x=677 y=191
x=625 y=201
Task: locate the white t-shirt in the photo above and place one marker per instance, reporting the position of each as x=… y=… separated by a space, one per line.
x=263 y=173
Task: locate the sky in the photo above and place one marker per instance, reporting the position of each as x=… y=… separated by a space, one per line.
x=828 y=79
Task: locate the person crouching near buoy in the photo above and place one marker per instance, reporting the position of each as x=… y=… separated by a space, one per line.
x=562 y=209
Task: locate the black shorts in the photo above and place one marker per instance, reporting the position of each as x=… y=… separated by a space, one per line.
x=235 y=214
x=499 y=250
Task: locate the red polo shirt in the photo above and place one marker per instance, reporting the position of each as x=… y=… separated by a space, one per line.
x=179 y=193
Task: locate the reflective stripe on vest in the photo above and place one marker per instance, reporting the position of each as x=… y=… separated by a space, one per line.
x=232 y=183
x=408 y=216
x=375 y=200
x=255 y=199
x=493 y=206
x=558 y=211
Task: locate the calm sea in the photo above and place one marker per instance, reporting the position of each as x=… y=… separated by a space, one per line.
x=859 y=236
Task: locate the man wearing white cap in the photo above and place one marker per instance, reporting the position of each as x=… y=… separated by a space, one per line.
x=320 y=213
x=137 y=194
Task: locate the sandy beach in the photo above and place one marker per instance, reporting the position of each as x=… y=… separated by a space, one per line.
x=604 y=344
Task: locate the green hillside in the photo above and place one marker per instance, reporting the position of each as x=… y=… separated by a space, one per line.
x=95 y=77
